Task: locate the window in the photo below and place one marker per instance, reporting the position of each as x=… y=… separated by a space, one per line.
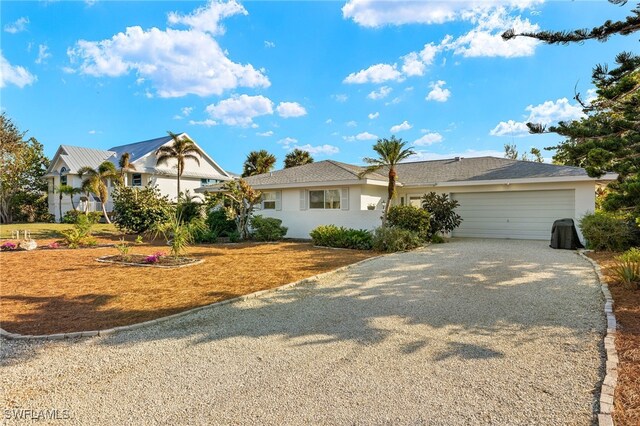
x=269 y=200
x=63 y=178
x=136 y=179
x=415 y=201
x=205 y=181
x=324 y=199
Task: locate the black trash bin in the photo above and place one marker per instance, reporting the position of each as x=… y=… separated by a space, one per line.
x=564 y=235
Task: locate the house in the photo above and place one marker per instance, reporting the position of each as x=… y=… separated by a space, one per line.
x=142 y=156
x=499 y=198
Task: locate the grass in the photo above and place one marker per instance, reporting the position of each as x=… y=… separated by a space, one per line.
x=62 y=290
x=51 y=231
x=627 y=311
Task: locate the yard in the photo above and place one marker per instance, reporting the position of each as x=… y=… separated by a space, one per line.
x=627 y=311
x=63 y=290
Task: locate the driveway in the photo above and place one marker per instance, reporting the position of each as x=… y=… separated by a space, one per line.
x=469 y=332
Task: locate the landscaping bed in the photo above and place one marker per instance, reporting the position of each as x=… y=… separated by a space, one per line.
x=58 y=291
x=153 y=260
x=627 y=311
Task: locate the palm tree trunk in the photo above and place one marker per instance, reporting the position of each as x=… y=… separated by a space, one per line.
x=72 y=203
x=104 y=212
x=179 y=173
x=60 y=206
x=391 y=190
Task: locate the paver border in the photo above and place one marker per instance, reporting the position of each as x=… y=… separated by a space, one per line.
x=105 y=259
x=610 y=381
x=109 y=331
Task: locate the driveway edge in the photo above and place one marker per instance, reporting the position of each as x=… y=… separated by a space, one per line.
x=78 y=334
x=611 y=367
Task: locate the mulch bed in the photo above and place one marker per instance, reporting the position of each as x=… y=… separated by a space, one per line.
x=58 y=291
x=144 y=260
x=627 y=311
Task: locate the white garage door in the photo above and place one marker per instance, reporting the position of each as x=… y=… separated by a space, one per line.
x=518 y=214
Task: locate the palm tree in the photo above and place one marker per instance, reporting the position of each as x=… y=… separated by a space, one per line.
x=390 y=153
x=181 y=149
x=96 y=182
x=125 y=166
x=297 y=157
x=258 y=162
x=70 y=191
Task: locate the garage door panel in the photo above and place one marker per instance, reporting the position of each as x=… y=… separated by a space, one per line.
x=517 y=214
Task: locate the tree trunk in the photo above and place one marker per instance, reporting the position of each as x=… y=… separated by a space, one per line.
x=391 y=190
x=60 y=206
x=104 y=211
x=179 y=173
x=5 y=212
x=72 y=203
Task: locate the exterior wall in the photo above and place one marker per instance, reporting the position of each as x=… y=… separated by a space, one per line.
x=168 y=185
x=301 y=222
x=75 y=182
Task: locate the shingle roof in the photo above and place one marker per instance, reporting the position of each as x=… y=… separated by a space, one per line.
x=138 y=150
x=479 y=169
x=326 y=171
x=77 y=157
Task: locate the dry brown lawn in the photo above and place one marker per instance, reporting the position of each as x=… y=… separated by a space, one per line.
x=627 y=311
x=56 y=291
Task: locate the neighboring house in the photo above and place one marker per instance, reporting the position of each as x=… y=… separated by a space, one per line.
x=69 y=159
x=499 y=198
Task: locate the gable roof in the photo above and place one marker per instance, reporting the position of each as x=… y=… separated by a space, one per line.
x=480 y=169
x=321 y=172
x=137 y=150
x=76 y=157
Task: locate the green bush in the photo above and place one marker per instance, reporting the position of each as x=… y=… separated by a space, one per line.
x=392 y=239
x=80 y=234
x=631 y=255
x=71 y=216
x=410 y=218
x=606 y=231
x=267 y=228
x=443 y=217
x=219 y=224
x=139 y=210
x=188 y=210
x=234 y=237
x=340 y=237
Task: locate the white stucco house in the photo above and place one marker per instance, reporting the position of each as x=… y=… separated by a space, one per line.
x=499 y=198
x=69 y=159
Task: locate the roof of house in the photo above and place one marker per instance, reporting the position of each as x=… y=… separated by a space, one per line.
x=480 y=169
x=321 y=171
x=76 y=157
x=138 y=150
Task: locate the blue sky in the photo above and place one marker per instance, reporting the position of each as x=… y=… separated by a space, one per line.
x=327 y=76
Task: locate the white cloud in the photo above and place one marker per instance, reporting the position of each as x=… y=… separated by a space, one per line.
x=352 y=123
x=437 y=93
x=401 y=127
x=16 y=75
x=240 y=110
x=549 y=112
x=318 y=149
x=175 y=62
x=470 y=153
x=378 y=73
x=18 y=26
x=373 y=115
x=393 y=101
x=429 y=139
x=328 y=121
x=269 y=44
x=207 y=123
x=207 y=18
x=381 y=93
x=265 y=134
x=415 y=63
x=340 y=97
x=371 y=13
x=186 y=111
x=290 y=109
x=43 y=54
x=287 y=142
x=92 y=132
x=364 y=136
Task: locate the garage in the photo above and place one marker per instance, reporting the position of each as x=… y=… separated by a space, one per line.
x=513 y=214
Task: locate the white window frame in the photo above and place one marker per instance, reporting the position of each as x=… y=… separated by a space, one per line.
x=270 y=200
x=324 y=199
x=133 y=179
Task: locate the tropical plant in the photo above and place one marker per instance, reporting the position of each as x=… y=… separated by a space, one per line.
x=627 y=269
x=341 y=237
x=391 y=239
x=189 y=207
x=258 y=162
x=123 y=248
x=410 y=218
x=96 y=181
x=137 y=210
x=79 y=234
x=71 y=216
x=181 y=149
x=511 y=152
x=267 y=228
x=239 y=199
x=178 y=233
x=390 y=153
x=125 y=165
x=70 y=191
x=443 y=217
x=297 y=157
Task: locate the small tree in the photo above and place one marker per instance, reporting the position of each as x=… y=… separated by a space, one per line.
x=180 y=150
x=96 y=182
x=443 y=217
x=124 y=163
x=178 y=233
x=239 y=199
x=137 y=210
x=70 y=191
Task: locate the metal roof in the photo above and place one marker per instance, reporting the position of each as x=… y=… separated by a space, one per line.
x=138 y=150
x=76 y=157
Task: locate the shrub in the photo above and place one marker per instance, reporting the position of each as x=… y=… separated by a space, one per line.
x=234 y=236
x=340 y=237
x=443 y=218
x=267 y=228
x=8 y=246
x=123 y=248
x=80 y=234
x=219 y=224
x=410 y=218
x=138 y=210
x=189 y=210
x=71 y=216
x=392 y=239
x=179 y=234
x=606 y=231
x=631 y=255
x=627 y=268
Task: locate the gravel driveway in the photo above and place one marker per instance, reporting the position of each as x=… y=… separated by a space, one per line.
x=470 y=332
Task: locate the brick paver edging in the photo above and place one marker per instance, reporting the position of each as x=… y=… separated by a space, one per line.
x=611 y=368
x=77 y=334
